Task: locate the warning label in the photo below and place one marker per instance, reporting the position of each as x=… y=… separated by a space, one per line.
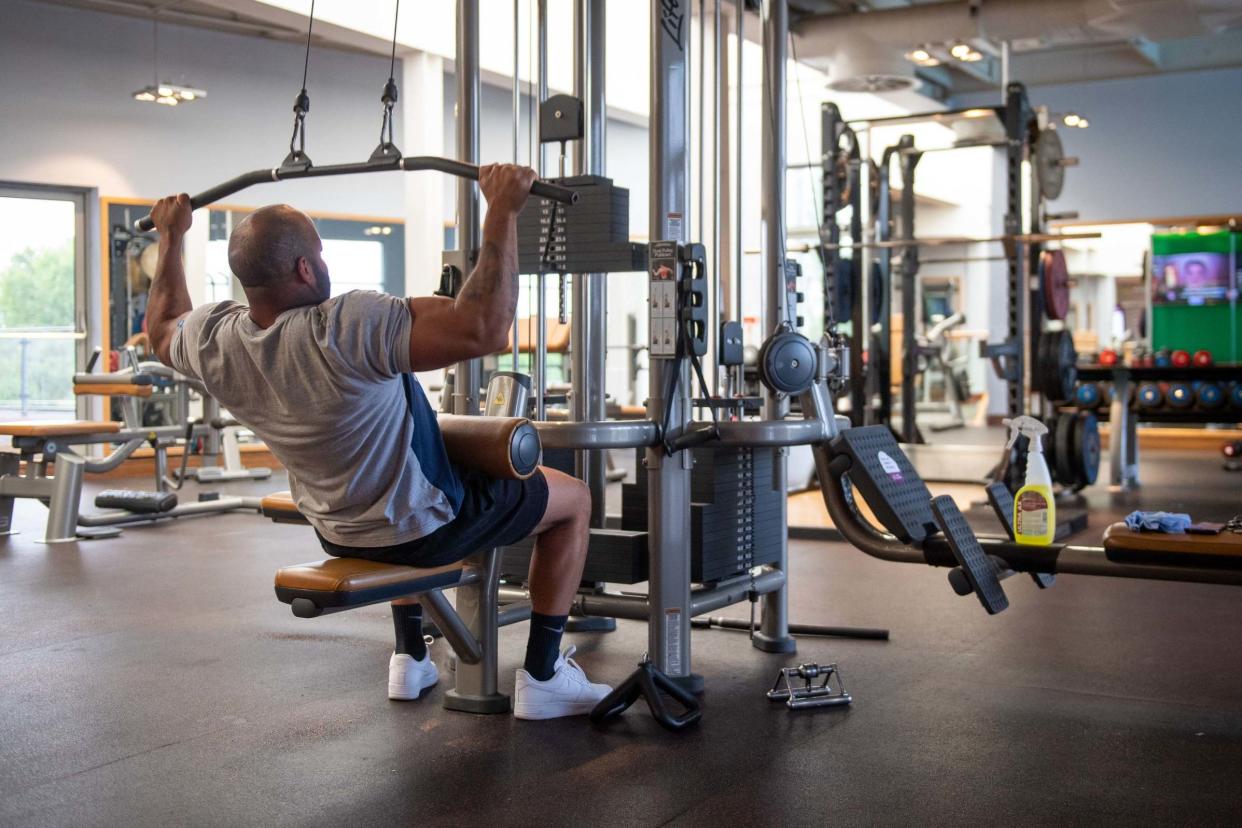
x=890 y=466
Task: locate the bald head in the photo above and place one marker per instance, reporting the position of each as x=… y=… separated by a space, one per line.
x=268 y=246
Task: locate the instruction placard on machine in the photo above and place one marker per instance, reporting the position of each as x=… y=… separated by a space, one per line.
x=662 y=299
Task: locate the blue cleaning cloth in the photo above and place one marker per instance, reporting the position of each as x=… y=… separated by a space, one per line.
x=1173 y=523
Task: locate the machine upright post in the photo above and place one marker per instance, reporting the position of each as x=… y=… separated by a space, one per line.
x=668 y=477
x=476 y=689
x=469 y=372
x=773 y=635
x=539 y=364
x=62 y=516
x=909 y=275
x=589 y=334
x=1015 y=131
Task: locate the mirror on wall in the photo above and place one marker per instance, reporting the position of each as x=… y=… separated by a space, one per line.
x=362 y=253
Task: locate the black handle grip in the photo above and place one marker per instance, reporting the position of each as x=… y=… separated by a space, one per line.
x=545 y=189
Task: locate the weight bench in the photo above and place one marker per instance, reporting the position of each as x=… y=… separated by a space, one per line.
x=280 y=508
x=38 y=445
x=1121 y=543
x=499 y=446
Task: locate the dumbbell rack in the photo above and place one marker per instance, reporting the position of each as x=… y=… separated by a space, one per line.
x=1124 y=414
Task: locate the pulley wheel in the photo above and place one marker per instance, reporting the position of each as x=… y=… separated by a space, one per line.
x=787 y=362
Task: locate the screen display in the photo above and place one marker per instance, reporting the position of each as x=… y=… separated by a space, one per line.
x=1192 y=278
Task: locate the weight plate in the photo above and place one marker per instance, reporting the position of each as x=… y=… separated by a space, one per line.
x=1065 y=449
x=843 y=290
x=877 y=293
x=1087 y=449
x=1235 y=395
x=1054 y=283
x=1056 y=368
x=1039 y=372
x=1048 y=170
x=1067 y=364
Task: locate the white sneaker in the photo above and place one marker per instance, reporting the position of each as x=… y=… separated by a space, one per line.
x=408 y=677
x=567 y=693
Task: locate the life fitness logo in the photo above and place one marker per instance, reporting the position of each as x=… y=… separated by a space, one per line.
x=671 y=19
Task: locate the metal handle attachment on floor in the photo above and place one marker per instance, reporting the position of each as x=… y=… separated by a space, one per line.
x=414 y=163
x=650 y=683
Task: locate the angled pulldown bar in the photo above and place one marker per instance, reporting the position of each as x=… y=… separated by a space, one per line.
x=413 y=163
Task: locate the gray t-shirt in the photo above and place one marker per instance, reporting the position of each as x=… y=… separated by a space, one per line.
x=327 y=387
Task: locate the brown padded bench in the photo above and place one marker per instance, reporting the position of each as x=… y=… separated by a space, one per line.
x=344 y=583
x=506 y=447
x=279 y=506
x=113 y=389
x=1123 y=543
x=62 y=428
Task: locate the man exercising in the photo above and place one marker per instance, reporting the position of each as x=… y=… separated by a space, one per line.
x=327 y=382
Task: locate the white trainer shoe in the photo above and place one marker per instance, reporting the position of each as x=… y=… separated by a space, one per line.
x=408 y=677
x=567 y=693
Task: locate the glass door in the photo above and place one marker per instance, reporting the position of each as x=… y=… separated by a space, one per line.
x=42 y=301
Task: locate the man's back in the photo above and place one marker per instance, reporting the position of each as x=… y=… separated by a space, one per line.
x=327 y=387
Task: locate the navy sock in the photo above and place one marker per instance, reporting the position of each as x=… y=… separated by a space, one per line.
x=544 y=645
x=407 y=622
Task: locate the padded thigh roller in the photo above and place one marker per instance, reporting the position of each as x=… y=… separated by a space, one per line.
x=502 y=447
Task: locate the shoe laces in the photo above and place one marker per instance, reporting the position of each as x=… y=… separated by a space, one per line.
x=576 y=671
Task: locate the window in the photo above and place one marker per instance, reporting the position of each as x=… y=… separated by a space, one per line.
x=42 y=298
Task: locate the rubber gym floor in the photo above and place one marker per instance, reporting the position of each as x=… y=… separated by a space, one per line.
x=154 y=680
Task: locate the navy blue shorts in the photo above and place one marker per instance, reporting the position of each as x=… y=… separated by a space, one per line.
x=493 y=513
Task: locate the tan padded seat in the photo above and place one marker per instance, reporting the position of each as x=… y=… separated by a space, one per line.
x=1121 y=541
x=342 y=583
x=279 y=506
x=62 y=428
x=112 y=389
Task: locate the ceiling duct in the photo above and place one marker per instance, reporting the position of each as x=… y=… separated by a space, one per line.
x=857 y=48
x=859 y=64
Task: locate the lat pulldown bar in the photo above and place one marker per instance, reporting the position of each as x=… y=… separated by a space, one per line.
x=417 y=163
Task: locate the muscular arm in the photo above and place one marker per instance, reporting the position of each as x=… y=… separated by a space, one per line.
x=478 y=320
x=169 y=299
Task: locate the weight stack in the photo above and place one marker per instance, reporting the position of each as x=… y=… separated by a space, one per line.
x=592 y=236
x=735 y=511
x=614 y=556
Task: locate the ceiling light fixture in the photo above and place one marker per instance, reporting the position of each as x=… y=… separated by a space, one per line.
x=922 y=57
x=960 y=51
x=163 y=92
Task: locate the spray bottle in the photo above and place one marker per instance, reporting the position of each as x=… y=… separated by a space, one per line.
x=1034 y=509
